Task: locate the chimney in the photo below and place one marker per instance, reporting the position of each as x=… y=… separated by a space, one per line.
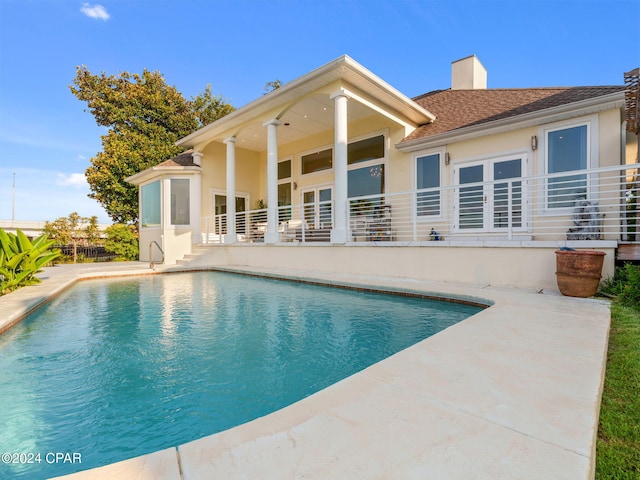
x=468 y=74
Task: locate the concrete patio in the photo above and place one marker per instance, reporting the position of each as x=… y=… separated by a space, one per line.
x=510 y=393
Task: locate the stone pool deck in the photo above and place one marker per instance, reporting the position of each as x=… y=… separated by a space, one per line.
x=510 y=393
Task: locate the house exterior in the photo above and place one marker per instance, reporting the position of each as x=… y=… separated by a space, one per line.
x=464 y=184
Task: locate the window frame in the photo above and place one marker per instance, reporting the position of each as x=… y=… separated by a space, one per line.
x=159 y=182
x=311 y=152
x=592 y=161
x=172 y=213
x=441 y=152
x=374 y=162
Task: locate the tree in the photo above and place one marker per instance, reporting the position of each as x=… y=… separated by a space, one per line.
x=145 y=118
x=72 y=230
x=208 y=107
x=274 y=85
x=123 y=241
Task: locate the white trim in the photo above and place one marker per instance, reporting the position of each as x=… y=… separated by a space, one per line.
x=315 y=150
x=593 y=156
x=342 y=68
x=441 y=181
x=316 y=202
x=488 y=209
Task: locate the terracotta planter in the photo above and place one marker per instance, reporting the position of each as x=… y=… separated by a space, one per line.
x=579 y=271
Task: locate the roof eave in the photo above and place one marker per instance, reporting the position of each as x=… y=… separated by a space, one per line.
x=553 y=114
x=158 y=171
x=341 y=66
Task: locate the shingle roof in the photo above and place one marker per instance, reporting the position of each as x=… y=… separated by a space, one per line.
x=183 y=160
x=456 y=109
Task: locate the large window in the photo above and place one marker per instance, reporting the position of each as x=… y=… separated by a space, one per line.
x=150 y=209
x=567 y=150
x=365 y=181
x=428 y=185
x=180 y=202
x=366 y=168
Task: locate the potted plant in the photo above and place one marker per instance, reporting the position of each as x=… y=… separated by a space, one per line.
x=578 y=272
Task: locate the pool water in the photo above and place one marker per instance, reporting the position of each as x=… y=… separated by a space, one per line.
x=113 y=369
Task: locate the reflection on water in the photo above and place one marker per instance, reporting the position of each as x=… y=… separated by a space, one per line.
x=119 y=368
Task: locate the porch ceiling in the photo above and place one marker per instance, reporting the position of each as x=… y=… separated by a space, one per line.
x=310 y=116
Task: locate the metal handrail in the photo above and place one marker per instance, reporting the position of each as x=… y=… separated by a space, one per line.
x=151 y=262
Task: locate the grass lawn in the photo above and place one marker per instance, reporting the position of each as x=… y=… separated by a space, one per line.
x=618 y=444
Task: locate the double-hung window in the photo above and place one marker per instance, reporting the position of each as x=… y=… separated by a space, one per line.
x=567 y=149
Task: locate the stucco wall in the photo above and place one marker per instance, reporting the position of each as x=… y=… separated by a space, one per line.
x=524 y=267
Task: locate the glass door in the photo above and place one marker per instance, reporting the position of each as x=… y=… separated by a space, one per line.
x=471 y=198
x=317 y=208
x=507 y=196
x=220 y=213
x=487 y=198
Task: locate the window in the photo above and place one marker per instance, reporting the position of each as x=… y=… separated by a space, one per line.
x=317 y=161
x=428 y=182
x=365 y=150
x=180 y=202
x=150 y=211
x=567 y=150
x=284 y=169
x=365 y=181
x=366 y=168
x=284 y=190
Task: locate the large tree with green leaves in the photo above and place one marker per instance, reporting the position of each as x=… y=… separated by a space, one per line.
x=145 y=117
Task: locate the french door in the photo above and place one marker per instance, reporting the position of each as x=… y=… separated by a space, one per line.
x=489 y=195
x=219 y=201
x=317 y=207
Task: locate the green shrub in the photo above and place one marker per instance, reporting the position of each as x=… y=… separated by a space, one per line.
x=21 y=259
x=123 y=241
x=630 y=294
x=624 y=285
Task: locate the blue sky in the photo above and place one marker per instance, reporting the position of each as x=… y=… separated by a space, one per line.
x=47 y=139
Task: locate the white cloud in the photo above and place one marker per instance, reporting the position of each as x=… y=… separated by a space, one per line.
x=46 y=195
x=95 y=11
x=77 y=180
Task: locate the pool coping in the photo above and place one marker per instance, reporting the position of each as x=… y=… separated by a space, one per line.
x=512 y=392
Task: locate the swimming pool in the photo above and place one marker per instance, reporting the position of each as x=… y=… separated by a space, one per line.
x=112 y=369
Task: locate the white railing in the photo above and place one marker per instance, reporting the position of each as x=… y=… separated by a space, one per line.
x=311 y=222
x=593 y=205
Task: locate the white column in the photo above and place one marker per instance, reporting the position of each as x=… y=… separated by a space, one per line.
x=230 y=237
x=271 y=236
x=339 y=232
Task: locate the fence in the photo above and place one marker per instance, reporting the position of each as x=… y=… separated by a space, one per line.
x=96 y=254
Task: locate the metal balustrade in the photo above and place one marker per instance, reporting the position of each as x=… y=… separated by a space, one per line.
x=586 y=205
